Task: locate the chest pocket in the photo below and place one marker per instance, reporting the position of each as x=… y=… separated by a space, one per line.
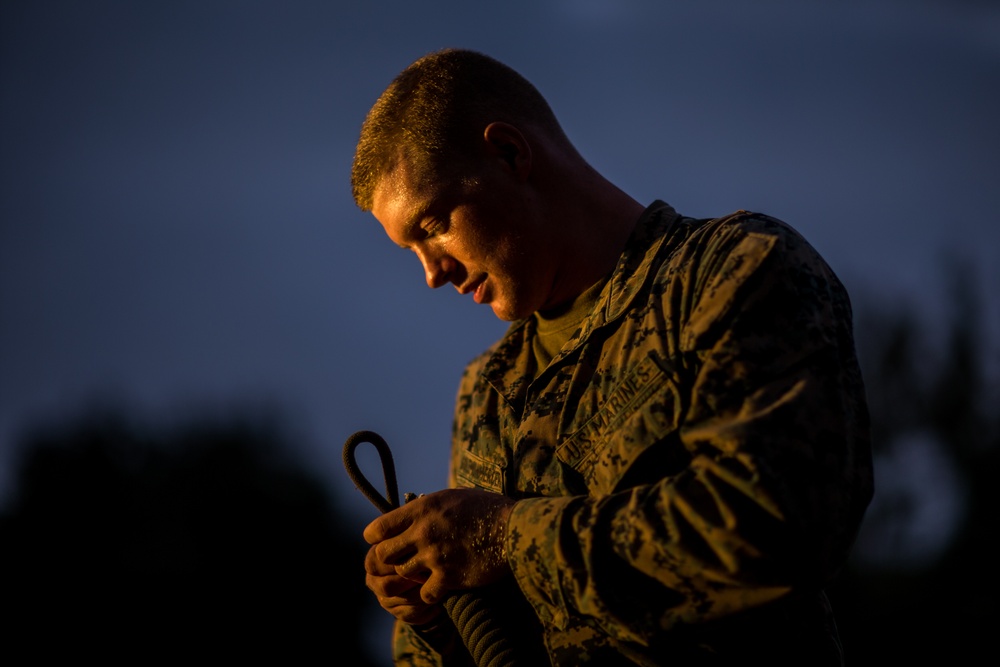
x=477 y=472
x=641 y=410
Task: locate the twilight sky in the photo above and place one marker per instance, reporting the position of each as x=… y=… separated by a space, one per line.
x=177 y=231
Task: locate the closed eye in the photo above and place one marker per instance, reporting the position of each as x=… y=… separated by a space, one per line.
x=433 y=227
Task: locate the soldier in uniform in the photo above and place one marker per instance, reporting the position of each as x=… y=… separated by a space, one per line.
x=666 y=457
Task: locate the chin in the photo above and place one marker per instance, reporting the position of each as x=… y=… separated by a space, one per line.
x=502 y=312
x=504 y=315
x=509 y=313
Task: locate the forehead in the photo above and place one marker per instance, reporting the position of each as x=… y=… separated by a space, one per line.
x=406 y=195
x=399 y=199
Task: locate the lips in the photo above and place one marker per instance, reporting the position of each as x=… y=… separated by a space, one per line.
x=480 y=294
x=477 y=287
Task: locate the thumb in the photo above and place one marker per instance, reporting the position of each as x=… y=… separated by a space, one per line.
x=434 y=590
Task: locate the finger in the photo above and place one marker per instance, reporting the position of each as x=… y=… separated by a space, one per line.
x=413 y=570
x=415 y=614
x=422 y=615
x=382 y=558
x=375 y=565
x=387 y=525
x=393 y=586
x=406 y=605
x=434 y=590
x=395 y=551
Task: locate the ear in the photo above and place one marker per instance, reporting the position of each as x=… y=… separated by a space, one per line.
x=506 y=143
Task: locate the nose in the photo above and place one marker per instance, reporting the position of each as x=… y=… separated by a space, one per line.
x=438 y=267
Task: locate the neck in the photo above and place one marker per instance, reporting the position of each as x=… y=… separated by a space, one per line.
x=593 y=220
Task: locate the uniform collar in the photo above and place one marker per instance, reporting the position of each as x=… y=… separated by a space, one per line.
x=632 y=270
x=510 y=365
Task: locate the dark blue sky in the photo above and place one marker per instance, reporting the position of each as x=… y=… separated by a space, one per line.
x=176 y=227
x=177 y=233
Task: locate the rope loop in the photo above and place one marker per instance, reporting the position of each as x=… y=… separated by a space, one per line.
x=385 y=503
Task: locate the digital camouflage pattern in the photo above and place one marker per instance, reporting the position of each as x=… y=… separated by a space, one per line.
x=694 y=464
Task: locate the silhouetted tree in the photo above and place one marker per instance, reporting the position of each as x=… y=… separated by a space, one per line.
x=941 y=610
x=202 y=543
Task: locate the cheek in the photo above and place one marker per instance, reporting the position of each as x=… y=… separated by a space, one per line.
x=496 y=236
x=507 y=243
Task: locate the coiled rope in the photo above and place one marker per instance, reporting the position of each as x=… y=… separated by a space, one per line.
x=473 y=614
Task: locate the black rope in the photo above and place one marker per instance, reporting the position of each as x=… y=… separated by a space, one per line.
x=385 y=503
x=472 y=614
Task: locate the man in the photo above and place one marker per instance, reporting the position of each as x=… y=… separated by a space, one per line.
x=666 y=456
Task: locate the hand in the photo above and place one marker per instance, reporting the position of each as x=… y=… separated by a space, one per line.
x=398 y=596
x=444 y=541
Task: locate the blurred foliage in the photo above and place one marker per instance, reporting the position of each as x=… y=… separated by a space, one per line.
x=202 y=542
x=931 y=378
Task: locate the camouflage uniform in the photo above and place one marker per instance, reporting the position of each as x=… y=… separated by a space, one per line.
x=693 y=465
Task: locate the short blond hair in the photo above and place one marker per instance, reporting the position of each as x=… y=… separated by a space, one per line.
x=434 y=111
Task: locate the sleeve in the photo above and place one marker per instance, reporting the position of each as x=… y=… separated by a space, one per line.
x=437 y=646
x=775 y=436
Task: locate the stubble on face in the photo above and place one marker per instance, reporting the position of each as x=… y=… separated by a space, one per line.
x=489 y=234
x=505 y=244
